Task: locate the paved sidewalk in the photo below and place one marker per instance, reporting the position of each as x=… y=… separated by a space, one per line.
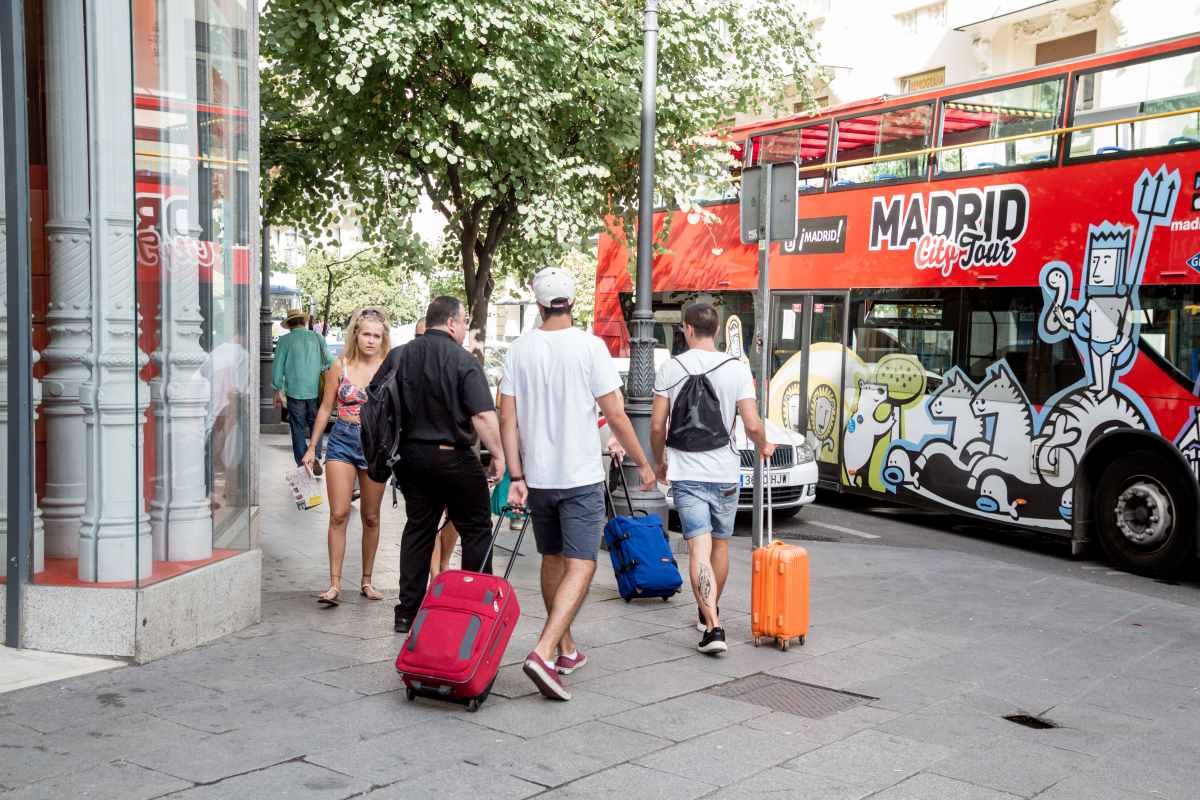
x=942 y=645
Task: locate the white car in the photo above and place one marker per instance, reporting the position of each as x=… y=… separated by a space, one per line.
x=793 y=471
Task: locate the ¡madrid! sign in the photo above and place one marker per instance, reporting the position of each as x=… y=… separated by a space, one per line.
x=963 y=229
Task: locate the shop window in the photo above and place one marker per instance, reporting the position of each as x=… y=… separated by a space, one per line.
x=968 y=122
x=1120 y=93
x=876 y=136
x=1002 y=324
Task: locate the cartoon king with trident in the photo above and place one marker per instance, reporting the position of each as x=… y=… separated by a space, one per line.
x=1102 y=320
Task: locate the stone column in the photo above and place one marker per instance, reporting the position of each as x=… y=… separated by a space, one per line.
x=114 y=536
x=180 y=513
x=70 y=251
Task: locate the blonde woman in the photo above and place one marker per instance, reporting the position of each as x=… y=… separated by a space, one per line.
x=367 y=343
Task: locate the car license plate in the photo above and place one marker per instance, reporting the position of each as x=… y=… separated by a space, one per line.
x=777 y=479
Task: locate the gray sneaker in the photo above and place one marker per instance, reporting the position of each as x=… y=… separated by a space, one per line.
x=713 y=642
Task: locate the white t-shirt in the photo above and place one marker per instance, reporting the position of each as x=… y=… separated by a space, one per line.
x=732 y=382
x=555 y=378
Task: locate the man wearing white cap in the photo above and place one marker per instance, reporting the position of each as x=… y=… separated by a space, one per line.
x=554 y=378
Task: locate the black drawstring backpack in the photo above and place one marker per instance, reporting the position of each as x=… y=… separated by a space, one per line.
x=696 y=422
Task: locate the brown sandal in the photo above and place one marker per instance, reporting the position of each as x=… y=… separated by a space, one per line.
x=368 y=591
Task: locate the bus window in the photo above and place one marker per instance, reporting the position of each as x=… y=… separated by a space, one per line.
x=1170 y=325
x=884 y=134
x=1008 y=112
x=1130 y=90
x=808 y=147
x=909 y=322
x=1003 y=325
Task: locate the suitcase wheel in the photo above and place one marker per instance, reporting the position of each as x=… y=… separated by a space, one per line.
x=802 y=641
x=783 y=645
x=473 y=705
x=410 y=693
x=756 y=641
x=627 y=599
x=666 y=599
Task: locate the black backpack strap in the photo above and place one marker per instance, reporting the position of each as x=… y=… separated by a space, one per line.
x=718 y=366
x=686 y=375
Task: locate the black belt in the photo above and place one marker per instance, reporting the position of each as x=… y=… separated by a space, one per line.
x=442 y=445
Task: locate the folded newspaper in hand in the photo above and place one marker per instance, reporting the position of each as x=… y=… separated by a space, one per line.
x=306 y=489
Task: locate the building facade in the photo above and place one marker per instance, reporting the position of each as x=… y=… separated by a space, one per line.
x=140 y=123
x=890 y=47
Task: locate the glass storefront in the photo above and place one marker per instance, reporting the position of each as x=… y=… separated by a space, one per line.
x=143 y=162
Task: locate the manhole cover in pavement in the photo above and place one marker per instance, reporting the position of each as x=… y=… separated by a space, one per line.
x=790 y=697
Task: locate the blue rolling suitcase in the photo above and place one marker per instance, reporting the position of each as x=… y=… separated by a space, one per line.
x=641 y=552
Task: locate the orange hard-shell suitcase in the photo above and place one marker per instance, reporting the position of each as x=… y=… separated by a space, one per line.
x=779 y=587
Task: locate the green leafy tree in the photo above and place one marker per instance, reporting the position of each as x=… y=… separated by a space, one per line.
x=367 y=278
x=519 y=119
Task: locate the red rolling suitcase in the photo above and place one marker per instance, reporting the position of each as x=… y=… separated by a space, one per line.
x=458 y=637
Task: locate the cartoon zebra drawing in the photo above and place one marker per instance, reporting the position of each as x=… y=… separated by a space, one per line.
x=1006 y=449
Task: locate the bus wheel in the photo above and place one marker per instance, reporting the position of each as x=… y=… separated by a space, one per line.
x=1141 y=509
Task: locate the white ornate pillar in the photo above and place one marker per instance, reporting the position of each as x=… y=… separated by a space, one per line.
x=39 y=551
x=70 y=312
x=114 y=536
x=180 y=511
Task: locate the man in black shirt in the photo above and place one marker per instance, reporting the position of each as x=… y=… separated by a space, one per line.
x=447 y=404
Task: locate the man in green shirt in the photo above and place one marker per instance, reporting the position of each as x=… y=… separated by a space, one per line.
x=300 y=358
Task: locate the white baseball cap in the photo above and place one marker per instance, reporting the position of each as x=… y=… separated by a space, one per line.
x=554 y=288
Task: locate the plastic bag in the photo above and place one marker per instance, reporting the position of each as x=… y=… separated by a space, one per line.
x=306 y=488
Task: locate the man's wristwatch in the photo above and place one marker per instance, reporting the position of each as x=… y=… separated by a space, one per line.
x=516 y=478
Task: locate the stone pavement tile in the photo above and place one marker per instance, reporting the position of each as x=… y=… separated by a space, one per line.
x=541 y=763
x=925 y=786
x=386 y=645
x=952 y=725
x=742 y=659
x=511 y=682
x=293 y=779
x=597 y=608
x=116 y=781
x=787 y=784
x=1013 y=766
x=858 y=663
x=679 y=613
x=601 y=740
x=381 y=713
x=633 y=653
x=67 y=709
x=870 y=759
x=1143 y=698
x=726 y=756
x=271 y=665
x=92 y=741
x=534 y=715
x=253 y=705
x=909 y=691
x=459 y=782
x=26 y=756
x=923 y=644
x=1086 y=729
x=825 y=637
x=630 y=780
x=1172 y=777
x=1087 y=788
x=827 y=729
x=598 y=633
x=411 y=751
x=1028 y=693
x=686 y=717
x=653 y=683
x=1170 y=665
x=224 y=755
x=374 y=678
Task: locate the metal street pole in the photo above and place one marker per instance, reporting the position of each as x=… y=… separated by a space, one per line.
x=640 y=390
x=764 y=353
x=14 y=237
x=268 y=414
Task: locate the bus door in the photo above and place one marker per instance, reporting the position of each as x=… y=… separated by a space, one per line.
x=807 y=360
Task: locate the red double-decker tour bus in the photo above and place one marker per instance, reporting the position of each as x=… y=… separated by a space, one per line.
x=992 y=303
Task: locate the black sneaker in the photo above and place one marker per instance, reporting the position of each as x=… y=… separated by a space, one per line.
x=713 y=642
x=403 y=623
x=701 y=625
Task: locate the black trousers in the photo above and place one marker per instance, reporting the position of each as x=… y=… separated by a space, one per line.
x=434 y=479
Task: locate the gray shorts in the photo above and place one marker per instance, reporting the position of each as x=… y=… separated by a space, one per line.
x=568 y=522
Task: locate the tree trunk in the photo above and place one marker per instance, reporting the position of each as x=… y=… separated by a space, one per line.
x=328 y=303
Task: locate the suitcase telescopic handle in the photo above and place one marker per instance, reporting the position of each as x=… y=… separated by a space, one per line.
x=516 y=551
x=616 y=467
x=766 y=472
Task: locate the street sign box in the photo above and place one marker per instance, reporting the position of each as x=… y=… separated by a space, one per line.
x=779 y=202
